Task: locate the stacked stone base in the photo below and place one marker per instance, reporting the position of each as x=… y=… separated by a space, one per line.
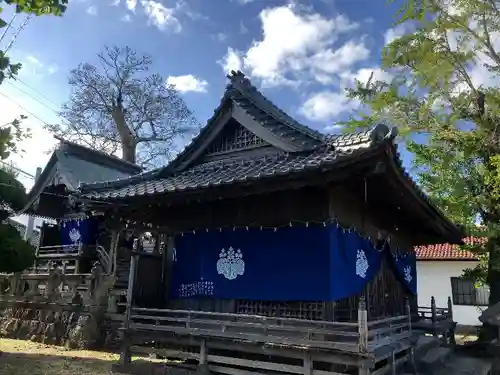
x=75 y=330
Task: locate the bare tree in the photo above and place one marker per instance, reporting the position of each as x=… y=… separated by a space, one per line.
x=117 y=105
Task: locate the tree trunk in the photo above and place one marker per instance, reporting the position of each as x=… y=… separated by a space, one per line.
x=128 y=141
x=489 y=332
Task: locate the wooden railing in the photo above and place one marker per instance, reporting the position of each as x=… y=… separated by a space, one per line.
x=437 y=321
x=360 y=337
x=224 y=340
x=434 y=313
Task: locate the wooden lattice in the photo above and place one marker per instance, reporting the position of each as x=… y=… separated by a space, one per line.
x=299 y=309
x=234 y=137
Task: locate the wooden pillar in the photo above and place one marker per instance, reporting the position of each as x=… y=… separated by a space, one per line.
x=452 y=324
x=113 y=246
x=168 y=259
x=434 y=316
x=203 y=362
x=362 y=326
x=450 y=309
x=307 y=363
x=125 y=355
x=80 y=254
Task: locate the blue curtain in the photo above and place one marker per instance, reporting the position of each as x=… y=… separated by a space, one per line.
x=74 y=232
x=307 y=263
x=354 y=262
x=406 y=269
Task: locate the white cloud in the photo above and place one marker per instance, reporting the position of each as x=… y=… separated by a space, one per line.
x=159 y=15
x=363 y=75
x=35 y=67
x=33 y=60
x=396 y=32
x=231 y=61
x=326 y=105
x=243 y=29
x=221 y=37
x=115 y=3
x=188 y=83
x=298 y=45
x=131 y=4
x=126 y=18
x=92 y=10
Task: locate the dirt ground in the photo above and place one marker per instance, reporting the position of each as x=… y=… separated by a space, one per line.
x=18 y=357
x=29 y=358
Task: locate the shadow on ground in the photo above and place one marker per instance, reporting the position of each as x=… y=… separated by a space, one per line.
x=46 y=364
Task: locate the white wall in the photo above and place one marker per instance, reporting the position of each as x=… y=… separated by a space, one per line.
x=433 y=279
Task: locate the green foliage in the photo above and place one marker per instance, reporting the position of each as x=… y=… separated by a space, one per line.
x=12 y=194
x=15 y=254
x=438 y=90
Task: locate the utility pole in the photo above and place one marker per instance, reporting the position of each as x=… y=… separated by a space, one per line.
x=28 y=233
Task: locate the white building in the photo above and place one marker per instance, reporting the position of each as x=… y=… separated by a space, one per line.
x=439 y=268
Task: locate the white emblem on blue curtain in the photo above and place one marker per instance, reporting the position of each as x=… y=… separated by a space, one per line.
x=75 y=236
x=408 y=276
x=174 y=255
x=361 y=264
x=230 y=263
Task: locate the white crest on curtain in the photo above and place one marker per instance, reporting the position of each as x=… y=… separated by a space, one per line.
x=230 y=263
x=361 y=264
x=407 y=272
x=75 y=236
x=174 y=255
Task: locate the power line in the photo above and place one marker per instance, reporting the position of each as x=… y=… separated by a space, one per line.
x=31 y=96
x=17 y=169
x=18 y=31
x=24 y=108
x=37 y=92
x=8 y=27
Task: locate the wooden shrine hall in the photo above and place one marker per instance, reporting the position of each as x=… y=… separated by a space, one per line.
x=278 y=248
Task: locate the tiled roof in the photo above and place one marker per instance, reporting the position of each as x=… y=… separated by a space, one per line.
x=333 y=150
x=79 y=164
x=448 y=251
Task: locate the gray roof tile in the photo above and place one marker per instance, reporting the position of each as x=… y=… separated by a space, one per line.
x=224 y=172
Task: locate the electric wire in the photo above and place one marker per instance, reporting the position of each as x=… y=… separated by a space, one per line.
x=17 y=79
x=31 y=96
x=18 y=31
x=24 y=108
x=8 y=27
x=17 y=169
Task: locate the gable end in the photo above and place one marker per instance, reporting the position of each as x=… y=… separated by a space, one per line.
x=234 y=137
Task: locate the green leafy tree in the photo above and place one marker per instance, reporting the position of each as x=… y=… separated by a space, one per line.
x=16 y=254
x=438 y=92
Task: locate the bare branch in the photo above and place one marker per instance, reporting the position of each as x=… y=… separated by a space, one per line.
x=117 y=105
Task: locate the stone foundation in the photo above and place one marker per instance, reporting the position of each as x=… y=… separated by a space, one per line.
x=73 y=329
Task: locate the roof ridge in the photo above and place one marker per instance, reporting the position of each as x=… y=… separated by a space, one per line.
x=240 y=82
x=98 y=153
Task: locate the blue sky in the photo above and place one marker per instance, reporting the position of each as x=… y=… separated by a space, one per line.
x=301 y=54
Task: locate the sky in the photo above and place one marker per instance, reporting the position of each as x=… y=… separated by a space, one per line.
x=301 y=54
